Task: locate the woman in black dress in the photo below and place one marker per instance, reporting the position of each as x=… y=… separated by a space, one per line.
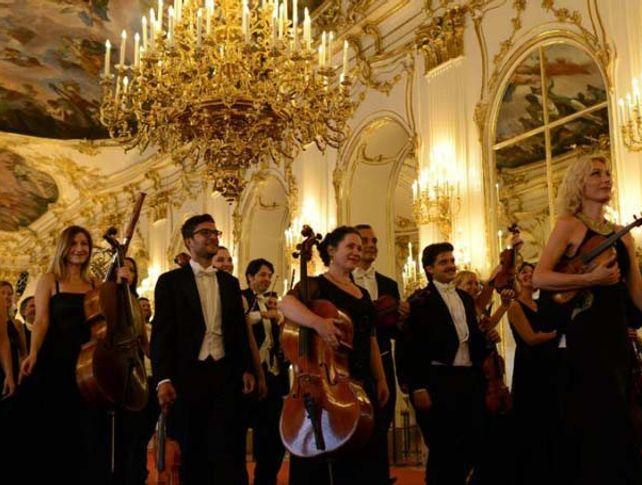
x=598 y=400
x=71 y=439
x=340 y=252
x=532 y=389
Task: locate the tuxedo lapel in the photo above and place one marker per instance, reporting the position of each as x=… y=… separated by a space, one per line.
x=442 y=309
x=191 y=293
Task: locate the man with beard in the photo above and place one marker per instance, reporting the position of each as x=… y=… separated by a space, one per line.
x=445 y=350
x=264 y=414
x=378 y=285
x=201 y=358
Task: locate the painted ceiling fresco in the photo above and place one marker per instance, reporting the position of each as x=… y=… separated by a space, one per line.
x=25 y=193
x=51 y=53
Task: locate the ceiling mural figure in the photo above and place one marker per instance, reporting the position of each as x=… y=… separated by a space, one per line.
x=50 y=59
x=25 y=193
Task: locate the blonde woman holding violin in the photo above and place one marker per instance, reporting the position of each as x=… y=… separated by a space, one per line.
x=598 y=425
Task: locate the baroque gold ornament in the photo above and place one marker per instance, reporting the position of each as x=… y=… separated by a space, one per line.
x=231 y=84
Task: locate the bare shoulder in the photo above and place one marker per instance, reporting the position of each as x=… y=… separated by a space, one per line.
x=567 y=224
x=47 y=280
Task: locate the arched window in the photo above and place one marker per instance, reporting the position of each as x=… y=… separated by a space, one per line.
x=553 y=105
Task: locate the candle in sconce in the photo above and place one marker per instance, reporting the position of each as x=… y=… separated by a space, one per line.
x=209 y=11
x=307 y=29
x=144 y=26
x=170 y=26
x=152 y=29
x=199 y=22
x=123 y=45
x=107 y=57
x=281 y=21
x=275 y=21
x=500 y=237
x=330 y=48
x=620 y=104
x=295 y=22
x=136 y=49
x=159 y=27
x=345 y=58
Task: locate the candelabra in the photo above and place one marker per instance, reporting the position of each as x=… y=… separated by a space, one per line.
x=412 y=275
x=630 y=114
x=231 y=84
x=435 y=203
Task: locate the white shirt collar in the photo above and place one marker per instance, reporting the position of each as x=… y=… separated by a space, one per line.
x=359 y=272
x=198 y=269
x=444 y=287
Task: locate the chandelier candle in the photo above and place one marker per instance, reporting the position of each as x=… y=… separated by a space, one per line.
x=228 y=92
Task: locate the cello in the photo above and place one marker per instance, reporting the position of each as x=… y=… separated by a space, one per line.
x=110 y=371
x=326 y=411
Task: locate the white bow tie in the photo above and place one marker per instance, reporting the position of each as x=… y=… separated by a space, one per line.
x=368 y=273
x=447 y=287
x=202 y=273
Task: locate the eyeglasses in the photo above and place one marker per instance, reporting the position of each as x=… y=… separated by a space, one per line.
x=207 y=233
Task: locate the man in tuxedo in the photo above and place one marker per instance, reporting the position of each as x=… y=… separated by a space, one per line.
x=201 y=358
x=445 y=352
x=378 y=285
x=264 y=414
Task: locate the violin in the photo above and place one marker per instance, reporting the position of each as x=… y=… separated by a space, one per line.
x=505 y=279
x=497 y=399
x=110 y=372
x=166 y=457
x=387 y=310
x=326 y=411
x=594 y=251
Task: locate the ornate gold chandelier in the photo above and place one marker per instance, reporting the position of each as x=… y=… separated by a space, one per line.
x=230 y=84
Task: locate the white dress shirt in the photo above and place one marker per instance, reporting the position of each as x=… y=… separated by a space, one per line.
x=366 y=279
x=255 y=318
x=208 y=292
x=458 y=313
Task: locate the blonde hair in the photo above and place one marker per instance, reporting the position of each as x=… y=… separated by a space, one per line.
x=571 y=190
x=463 y=275
x=58 y=265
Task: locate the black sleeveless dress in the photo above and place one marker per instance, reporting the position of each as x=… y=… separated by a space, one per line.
x=599 y=389
x=534 y=405
x=73 y=439
x=360 y=466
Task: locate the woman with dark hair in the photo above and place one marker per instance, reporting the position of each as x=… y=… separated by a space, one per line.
x=72 y=439
x=532 y=389
x=340 y=251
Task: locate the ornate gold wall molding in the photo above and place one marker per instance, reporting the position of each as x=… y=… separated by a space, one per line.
x=443 y=38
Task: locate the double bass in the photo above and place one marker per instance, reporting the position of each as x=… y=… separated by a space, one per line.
x=326 y=412
x=110 y=371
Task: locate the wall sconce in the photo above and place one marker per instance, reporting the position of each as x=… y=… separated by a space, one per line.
x=435 y=202
x=630 y=113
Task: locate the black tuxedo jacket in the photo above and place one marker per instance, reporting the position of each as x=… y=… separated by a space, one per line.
x=179 y=326
x=430 y=335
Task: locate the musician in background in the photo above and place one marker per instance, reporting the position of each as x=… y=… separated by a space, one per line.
x=15 y=329
x=445 y=351
x=340 y=252
x=223 y=260
x=201 y=358
x=534 y=404
x=28 y=314
x=263 y=415
x=146 y=307
x=598 y=405
x=72 y=442
x=378 y=285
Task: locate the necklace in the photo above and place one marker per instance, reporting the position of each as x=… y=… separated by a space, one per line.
x=602 y=227
x=333 y=278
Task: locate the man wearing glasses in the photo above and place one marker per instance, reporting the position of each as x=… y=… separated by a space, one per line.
x=201 y=358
